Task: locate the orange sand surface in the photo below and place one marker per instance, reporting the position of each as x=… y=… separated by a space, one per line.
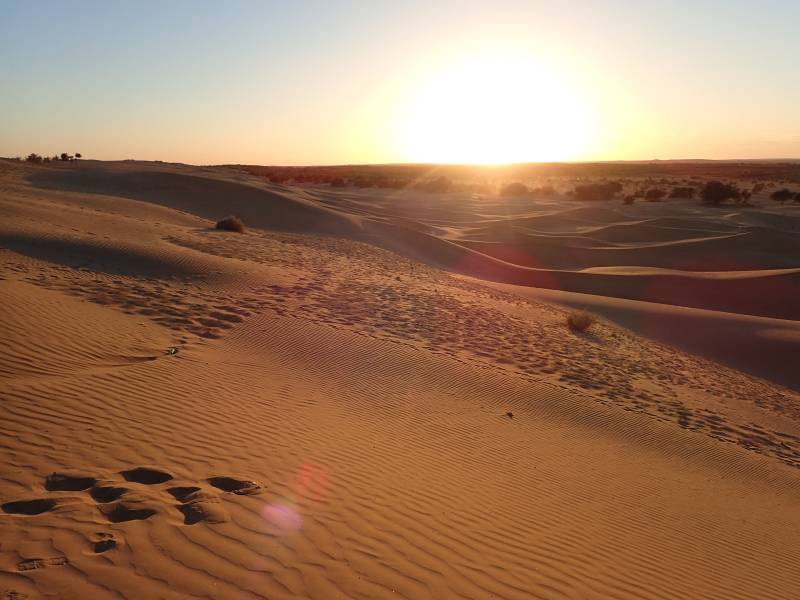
x=373 y=395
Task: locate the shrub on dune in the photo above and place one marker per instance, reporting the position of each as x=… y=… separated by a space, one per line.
x=338 y=182
x=544 y=192
x=514 y=189
x=682 y=192
x=782 y=195
x=716 y=192
x=439 y=185
x=231 y=223
x=580 y=320
x=654 y=195
x=597 y=191
x=629 y=199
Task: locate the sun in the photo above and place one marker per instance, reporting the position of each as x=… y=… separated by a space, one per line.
x=492 y=109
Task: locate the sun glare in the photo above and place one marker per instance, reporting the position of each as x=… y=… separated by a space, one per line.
x=495 y=109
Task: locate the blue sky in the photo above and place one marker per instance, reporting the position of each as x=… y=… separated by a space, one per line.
x=331 y=82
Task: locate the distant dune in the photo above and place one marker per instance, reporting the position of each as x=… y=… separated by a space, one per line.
x=507 y=241
x=373 y=394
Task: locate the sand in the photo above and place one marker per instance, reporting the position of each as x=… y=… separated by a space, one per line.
x=339 y=403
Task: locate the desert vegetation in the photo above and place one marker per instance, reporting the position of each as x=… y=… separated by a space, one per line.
x=782 y=195
x=514 y=189
x=715 y=193
x=580 y=320
x=713 y=183
x=682 y=192
x=654 y=195
x=593 y=192
x=231 y=223
x=35 y=158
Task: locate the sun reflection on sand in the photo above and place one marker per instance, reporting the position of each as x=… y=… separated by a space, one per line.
x=282 y=516
x=310 y=484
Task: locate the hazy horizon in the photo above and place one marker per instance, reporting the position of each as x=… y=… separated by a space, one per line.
x=353 y=83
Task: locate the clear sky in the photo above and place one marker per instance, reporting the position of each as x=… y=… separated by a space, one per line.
x=332 y=82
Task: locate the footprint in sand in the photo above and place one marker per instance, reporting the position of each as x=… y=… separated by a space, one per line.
x=42 y=563
x=242 y=487
x=122 y=512
x=120 y=504
x=146 y=475
x=198 y=505
x=68 y=482
x=29 y=507
x=103 y=542
x=104 y=494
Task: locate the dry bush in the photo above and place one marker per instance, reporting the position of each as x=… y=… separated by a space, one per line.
x=593 y=192
x=439 y=185
x=716 y=192
x=654 y=195
x=682 y=192
x=231 y=223
x=514 y=189
x=782 y=195
x=580 y=320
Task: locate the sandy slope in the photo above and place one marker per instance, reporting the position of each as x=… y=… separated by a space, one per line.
x=757 y=345
x=191 y=413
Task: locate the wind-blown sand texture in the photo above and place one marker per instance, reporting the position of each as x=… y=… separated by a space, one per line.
x=331 y=405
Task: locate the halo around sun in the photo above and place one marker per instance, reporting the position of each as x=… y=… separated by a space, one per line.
x=495 y=108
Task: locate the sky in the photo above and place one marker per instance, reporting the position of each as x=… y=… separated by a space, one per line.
x=305 y=82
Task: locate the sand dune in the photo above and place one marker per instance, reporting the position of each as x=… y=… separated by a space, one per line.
x=284 y=414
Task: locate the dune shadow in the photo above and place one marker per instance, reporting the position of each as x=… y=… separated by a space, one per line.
x=205 y=197
x=110 y=259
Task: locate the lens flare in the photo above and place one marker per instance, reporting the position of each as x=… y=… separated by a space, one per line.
x=309 y=485
x=283 y=517
x=311 y=482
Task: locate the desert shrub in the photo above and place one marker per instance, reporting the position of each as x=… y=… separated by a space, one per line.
x=580 y=320
x=439 y=185
x=782 y=195
x=33 y=158
x=797 y=197
x=758 y=188
x=629 y=199
x=716 y=192
x=514 y=189
x=682 y=192
x=397 y=184
x=338 y=182
x=597 y=191
x=545 y=190
x=231 y=223
x=654 y=195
